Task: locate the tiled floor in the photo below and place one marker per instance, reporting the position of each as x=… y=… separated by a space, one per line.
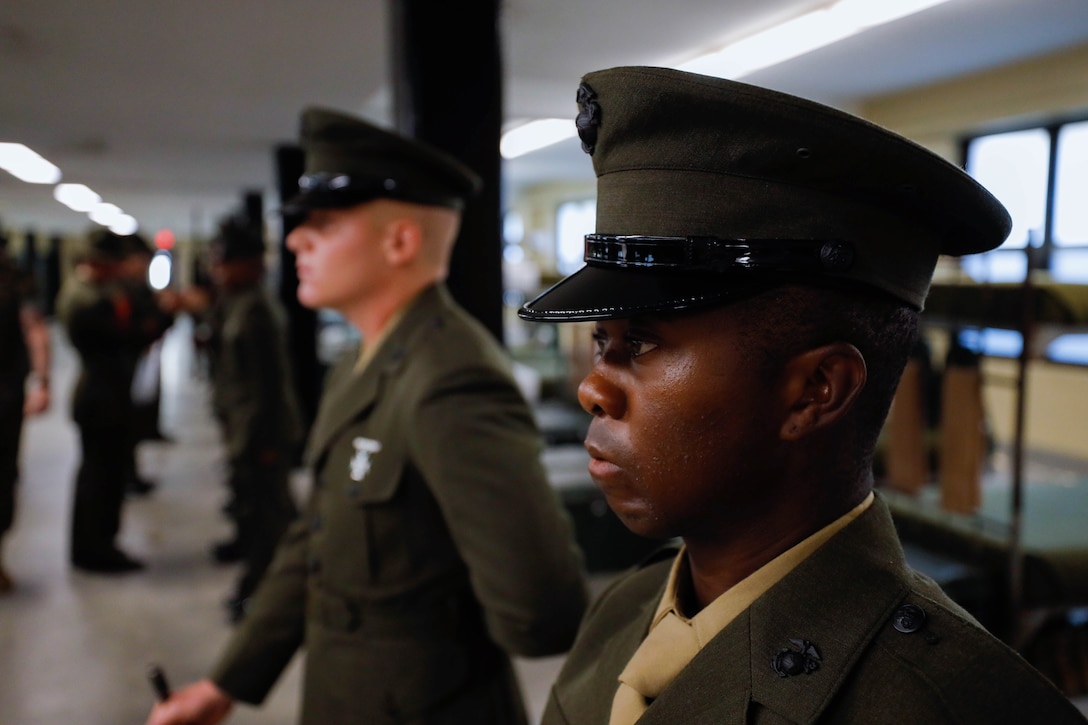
x=74 y=647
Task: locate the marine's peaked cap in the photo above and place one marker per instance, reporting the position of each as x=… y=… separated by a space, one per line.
x=349 y=161
x=809 y=190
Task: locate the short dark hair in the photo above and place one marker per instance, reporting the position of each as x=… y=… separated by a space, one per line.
x=787 y=320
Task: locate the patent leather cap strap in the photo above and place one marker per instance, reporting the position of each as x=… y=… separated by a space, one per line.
x=718 y=255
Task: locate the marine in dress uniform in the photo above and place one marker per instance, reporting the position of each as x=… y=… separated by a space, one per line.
x=756 y=274
x=253 y=389
x=432 y=547
x=24 y=352
x=108 y=331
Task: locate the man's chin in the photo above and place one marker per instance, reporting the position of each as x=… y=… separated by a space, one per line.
x=639 y=519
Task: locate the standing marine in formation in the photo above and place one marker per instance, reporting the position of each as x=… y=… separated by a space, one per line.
x=254 y=394
x=108 y=329
x=432 y=547
x=755 y=280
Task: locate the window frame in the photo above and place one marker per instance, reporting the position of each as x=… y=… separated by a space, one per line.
x=1039 y=255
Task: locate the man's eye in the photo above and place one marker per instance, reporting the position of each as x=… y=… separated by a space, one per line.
x=631 y=347
x=639 y=347
x=600 y=340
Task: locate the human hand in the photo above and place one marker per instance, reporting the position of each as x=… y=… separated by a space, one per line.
x=201 y=703
x=195 y=299
x=37 y=399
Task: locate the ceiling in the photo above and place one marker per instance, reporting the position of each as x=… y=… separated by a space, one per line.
x=172 y=110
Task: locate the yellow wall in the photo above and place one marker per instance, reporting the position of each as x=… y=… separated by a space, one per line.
x=938 y=117
x=1055 y=404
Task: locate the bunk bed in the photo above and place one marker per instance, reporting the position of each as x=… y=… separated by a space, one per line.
x=1028 y=541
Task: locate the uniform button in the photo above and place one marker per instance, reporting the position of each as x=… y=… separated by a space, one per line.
x=909 y=618
x=837 y=256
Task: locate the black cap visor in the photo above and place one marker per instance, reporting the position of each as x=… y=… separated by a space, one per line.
x=325 y=190
x=607 y=293
x=308 y=200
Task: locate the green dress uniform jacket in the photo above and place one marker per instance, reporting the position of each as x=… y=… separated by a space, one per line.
x=108 y=328
x=431 y=547
x=852 y=635
x=254 y=390
x=252 y=379
x=98 y=319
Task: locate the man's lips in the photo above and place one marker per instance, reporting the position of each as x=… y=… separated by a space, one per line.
x=601 y=469
x=601 y=464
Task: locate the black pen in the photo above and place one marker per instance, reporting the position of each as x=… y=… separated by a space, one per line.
x=157 y=678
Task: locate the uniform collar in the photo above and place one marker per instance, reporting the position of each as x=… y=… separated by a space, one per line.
x=837 y=599
x=719 y=613
x=348 y=394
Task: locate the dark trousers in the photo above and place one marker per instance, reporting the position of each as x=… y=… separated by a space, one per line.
x=262 y=508
x=11 y=427
x=100 y=491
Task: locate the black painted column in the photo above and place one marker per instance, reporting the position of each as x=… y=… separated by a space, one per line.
x=448 y=92
x=253 y=208
x=301 y=321
x=51 y=276
x=30 y=261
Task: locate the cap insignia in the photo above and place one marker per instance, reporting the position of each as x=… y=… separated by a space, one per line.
x=588 y=119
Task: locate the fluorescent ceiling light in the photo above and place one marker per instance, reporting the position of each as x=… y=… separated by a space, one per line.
x=26 y=165
x=124 y=225
x=803 y=34
x=76 y=197
x=105 y=214
x=866 y=13
x=535 y=135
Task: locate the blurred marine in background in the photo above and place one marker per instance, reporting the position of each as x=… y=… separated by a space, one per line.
x=254 y=397
x=109 y=328
x=25 y=360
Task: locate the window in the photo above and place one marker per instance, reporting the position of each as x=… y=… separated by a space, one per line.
x=1041 y=176
x=1070 y=237
x=1014 y=167
x=574 y=220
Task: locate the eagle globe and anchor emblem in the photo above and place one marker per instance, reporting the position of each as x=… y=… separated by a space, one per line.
x=360 y=463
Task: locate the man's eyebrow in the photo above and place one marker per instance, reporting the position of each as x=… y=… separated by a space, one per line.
x=640 y=321
x=656 y=319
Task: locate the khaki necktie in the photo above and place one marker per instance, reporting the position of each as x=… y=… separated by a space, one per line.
x=667 y=649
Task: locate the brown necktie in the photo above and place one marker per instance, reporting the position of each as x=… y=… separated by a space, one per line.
x=667 y=649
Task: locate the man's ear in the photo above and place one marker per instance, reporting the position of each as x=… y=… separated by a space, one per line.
x=821 y=387
x=402 y=242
